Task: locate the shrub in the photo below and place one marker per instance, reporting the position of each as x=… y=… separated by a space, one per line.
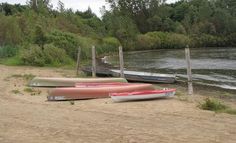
x=33 y=56
x=231 y=40
x=55 y=56
x=64 y=40
x=10 y=32
x=146 y=42
x=212 y=105
x=108 y=45
x=206 y=40
x=168 y=40
x=8 y=51
x=51 y=55
x=176 y=41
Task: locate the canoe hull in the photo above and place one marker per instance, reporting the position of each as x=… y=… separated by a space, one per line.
x=146 y=77
x=59 y=94
x=69 y=82
x=142 y=96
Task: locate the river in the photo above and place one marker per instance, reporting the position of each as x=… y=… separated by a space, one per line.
x=210 y=66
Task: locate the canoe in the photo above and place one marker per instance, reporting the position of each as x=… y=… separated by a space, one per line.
x=146 y=76
x=74 y=93
x=68 y=82
x=142 y=95
x=97 y=84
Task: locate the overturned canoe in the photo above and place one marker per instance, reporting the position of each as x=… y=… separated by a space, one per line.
x=142 y=95
x=58 y=94
x=99 y=84
x=146 y=76
x=68 y=82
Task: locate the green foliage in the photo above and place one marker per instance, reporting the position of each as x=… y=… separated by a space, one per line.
x=231 y=39
x=108 y=45
x=10 y=32
x=51 y=55
x=8 y=51
x=12 y=61
x=217 y=106
x=206 y=40
x=146 y=42
x=170 y=40
x=64 y=40
x=16 y=91
x=40 y=37
x=212 y=105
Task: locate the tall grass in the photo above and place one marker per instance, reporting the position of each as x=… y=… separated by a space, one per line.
x=216 y=106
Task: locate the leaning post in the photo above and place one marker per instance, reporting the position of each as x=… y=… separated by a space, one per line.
x=78 y=61
x=121 y=62
x=189 y=71
x=93 y=61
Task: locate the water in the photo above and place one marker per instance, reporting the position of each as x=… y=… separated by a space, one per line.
x=210 y=66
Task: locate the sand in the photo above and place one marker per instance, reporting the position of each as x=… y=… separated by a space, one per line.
x=26 y=118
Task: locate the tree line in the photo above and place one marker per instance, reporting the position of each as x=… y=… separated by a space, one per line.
x=38 y=34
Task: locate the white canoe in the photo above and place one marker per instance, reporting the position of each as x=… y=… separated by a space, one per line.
x=68 y=82
x=142 y=95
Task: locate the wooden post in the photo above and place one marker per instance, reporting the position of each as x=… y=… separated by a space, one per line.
x=121 y=62
x=93 y=61
x=189 y=72
x=78 y=61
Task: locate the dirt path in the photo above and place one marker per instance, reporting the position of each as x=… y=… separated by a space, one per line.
x=31 y=119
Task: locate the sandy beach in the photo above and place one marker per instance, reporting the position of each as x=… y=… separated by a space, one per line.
x=29 y=118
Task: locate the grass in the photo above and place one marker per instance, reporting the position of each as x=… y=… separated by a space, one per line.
x=32 y=91
x=15 y=91
x=29 y=90
x=24 y=76
x=216 y=106
x=12 y=61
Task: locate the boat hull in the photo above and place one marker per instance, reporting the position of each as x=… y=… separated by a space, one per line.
x=97 y=84
x=146 y=77
x=143 y=95
x=59 y=94
x=69 y=82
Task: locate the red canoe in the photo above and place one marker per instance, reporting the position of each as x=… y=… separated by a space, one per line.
x=142 y=95
x=58 y=94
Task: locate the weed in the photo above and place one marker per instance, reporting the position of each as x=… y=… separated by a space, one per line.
x=15 y=91
x=24 y=76
x=29 y=90
x=230 y=111
x=217 y=106
x=72 y=103
x=212 y=105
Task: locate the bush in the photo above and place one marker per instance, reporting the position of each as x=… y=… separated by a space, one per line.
x=231 y=40
x=64 y=40
x=206 y=40
x=108 y=45
x=33 y=56
x=51 y=55
x=212 y=105
x=10 y=32
x=152 y=40
x=146 y=42
x=55 y=56
x=8 y=51
x=176 y=41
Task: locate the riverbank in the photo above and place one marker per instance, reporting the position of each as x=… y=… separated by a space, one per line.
x=27 y=117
